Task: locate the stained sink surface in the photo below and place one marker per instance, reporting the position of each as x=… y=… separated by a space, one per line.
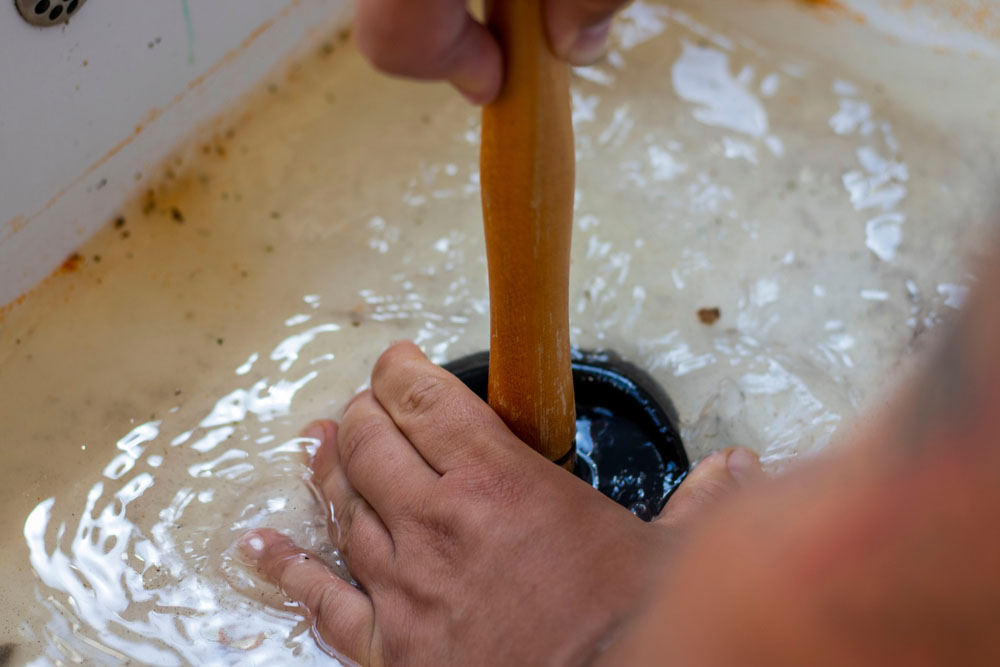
x=811 y=187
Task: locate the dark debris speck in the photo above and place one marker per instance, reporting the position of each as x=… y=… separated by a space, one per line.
x=709 y=316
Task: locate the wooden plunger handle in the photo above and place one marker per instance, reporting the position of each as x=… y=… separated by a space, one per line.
x=527 y=172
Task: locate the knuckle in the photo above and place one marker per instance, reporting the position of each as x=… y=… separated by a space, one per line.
x=422 y=395
x=359 y=544
x=344 y=516
x=441 y=535
x=385 y=36
x=360 y=434
x=374 y=32
x=330 y=621
x=392 y=356
x=320 y=601
x=388 y=41
x=498 y=486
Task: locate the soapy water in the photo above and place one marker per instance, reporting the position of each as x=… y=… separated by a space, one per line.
x=715 y=173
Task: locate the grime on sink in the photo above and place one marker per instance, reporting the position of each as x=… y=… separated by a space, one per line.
x=767 y=233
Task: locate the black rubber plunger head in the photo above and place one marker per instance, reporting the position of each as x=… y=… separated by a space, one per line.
x=627 y=442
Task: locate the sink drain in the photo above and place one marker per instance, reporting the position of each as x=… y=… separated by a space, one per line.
x=47 y=12
x=628 y=444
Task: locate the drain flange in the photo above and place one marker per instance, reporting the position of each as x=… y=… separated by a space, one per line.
x=48 y=12
x=628 y=444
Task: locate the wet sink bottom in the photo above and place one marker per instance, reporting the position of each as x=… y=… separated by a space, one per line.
x=152 y=395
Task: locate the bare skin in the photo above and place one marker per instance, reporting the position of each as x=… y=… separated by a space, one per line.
x=884 y=552
x=440 y=40
x=468 y=547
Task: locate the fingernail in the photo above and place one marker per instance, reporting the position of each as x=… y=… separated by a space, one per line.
x=251 y=546
x=473 y=89
x=742 y=463
x=589 y=44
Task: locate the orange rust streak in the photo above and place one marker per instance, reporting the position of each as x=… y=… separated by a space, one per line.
x=836 y=5
x=71 y=263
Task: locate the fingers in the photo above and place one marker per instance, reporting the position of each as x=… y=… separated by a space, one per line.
x=379 y=462
x=578 y=31
x=439 y=39
x=433 y=39
x=446 y=422
x=343 y=615
x=715 y=478
x=359 y=533
x=325 y=458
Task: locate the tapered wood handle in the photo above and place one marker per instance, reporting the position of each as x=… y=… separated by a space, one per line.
x=527 y=171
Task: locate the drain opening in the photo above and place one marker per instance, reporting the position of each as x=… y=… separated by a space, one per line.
x=44 y=13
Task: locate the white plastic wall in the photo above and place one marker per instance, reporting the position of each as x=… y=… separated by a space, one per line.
x=86 y=106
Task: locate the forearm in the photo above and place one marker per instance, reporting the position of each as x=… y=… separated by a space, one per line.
x=884 y=552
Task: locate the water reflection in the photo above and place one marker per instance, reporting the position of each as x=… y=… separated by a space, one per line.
x=709 y=188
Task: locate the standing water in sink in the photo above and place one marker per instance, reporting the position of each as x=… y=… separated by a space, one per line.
x=769 y=234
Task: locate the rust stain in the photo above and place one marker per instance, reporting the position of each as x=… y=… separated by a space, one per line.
x=154 y=113
x=17 y=223
x=10 y=306
x=838 y=7
x=71 y=263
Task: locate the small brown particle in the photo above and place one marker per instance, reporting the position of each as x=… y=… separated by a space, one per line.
x=709 y=316
x=149 y=205
x=119 y=222
x=176 y=214
x=71 y=263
